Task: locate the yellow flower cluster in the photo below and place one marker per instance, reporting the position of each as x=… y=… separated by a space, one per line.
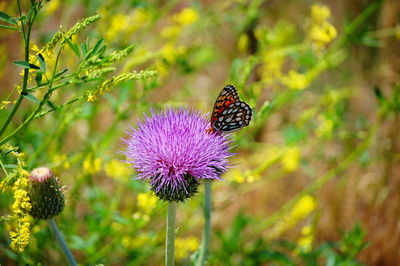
x=21 y=207
x=185 y=246
x=136 y=242
x=306 y=239
x=146 y=202
x=237 y=176
x=117 y=170
x=187 y=16
x=62 y=159
x=20 y=237
x=171 y=50
x=51 y=7
x=295 y=80
x=4 y=104
x=107 y=84
x=272 y=65
x=92 y=165
x=291 y=159
x=304 y=206
x=120 y=25
x=321 y=31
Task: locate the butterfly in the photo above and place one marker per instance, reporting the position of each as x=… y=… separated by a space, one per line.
x=229 y=113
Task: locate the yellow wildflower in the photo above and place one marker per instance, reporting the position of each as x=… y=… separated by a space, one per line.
x=62 y=159
x=304 y=206
x=21 y=207
x=135 y=242
x=185 y=246
x=321 y=31
x=91 y=97
x=170 y=52
x=305 y=240
x=319 y=13
x=186 y=17
x=117 y=170
x=92 y=165
x=4 y=104
x=119 y=23
x=291 y=159
x=51 y=7
x=272 y=66
x=171 y=32
x=323 y=34
x=20 y=237
x=243 y=43
x=146 y=202
x=251 y=176
x=236 y=176
x=295 y=81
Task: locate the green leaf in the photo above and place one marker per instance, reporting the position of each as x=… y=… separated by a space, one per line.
x=74 y=48
x=24 y=64
x=94 y=50
x=38 y=78
x=8 y=27
x=97 y=45
x=10 y=166
x=42 y=63
x=84 y=49
x=6 y=18
x=31 y=98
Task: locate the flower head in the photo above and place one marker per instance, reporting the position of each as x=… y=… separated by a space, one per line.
x=45 y=194
x=173 y=150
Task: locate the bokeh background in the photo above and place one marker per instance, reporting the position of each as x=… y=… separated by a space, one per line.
x=316 y=176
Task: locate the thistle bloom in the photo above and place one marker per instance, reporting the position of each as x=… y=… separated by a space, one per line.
x=173 y=150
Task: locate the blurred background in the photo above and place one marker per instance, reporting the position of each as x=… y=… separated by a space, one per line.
x=316 y=176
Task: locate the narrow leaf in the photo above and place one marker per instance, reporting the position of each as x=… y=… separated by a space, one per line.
x=22 y=64
x=74 y=48
x=42 y=63
x=31 y=98
x=6 y=18
x=8 y=27
x=38 y=79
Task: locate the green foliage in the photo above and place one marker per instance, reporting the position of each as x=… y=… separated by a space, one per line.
x=90 y=69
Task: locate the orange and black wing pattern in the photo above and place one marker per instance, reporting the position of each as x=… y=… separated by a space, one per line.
x=229 y=113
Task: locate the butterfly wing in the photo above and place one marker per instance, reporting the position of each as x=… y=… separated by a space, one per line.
x=234 y=117
x=227 y=96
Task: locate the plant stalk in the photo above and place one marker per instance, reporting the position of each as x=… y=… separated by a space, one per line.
x=61 y=242
x=170 y=240
x=207 y=225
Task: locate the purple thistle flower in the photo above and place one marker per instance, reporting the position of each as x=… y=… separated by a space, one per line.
x=173 y=150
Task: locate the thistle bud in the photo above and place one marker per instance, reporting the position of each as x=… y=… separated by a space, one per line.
x=45 y=194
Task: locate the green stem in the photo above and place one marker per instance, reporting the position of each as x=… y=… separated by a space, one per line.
x=26 y=71
x=170 y=240
x=38 y=108
x=207 y=225
x=61 y=242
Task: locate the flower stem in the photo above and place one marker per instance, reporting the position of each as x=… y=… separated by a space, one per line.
x=207 y=225
x=61 y=242
x=170 y=240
